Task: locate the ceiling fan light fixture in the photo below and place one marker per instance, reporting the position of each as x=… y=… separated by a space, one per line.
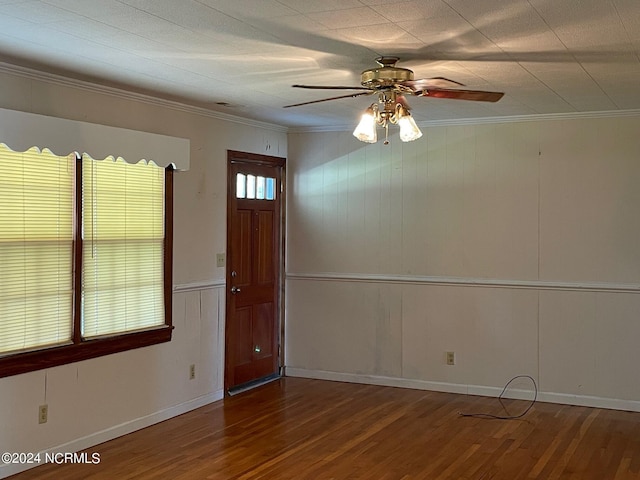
x=392 y=84
x=409 y=131
x=374 y=116
x=366 y=129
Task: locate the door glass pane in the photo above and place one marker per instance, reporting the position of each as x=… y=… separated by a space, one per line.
x=241 y=186
x=255 y=187
x=260 y=187
x=251 y=186
x=271 y=189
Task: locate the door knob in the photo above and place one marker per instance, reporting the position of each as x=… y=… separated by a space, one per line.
x=235 y=290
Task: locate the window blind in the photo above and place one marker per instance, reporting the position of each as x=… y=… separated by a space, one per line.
x=123 y=246
x=36 y=242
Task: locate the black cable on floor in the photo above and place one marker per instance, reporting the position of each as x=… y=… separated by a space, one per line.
x=507 y=417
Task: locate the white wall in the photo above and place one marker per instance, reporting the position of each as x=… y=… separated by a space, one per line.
x=95 y=400
x=514 y=245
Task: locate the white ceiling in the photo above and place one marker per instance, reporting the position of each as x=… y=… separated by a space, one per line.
x=548 y=56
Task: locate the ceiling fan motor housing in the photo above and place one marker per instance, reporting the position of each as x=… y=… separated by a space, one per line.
x=386 y=75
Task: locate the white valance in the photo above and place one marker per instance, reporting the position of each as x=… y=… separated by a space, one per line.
x=21 y=131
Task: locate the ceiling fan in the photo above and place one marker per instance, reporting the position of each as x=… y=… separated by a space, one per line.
x=392 y=83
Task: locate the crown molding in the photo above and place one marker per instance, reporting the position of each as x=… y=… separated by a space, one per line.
x=52 y=78
x=533 y=118
x=539 y=117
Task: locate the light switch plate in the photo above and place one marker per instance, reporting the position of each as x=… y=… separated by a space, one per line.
x=220 y=259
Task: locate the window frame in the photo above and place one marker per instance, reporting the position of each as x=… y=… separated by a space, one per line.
x=84 y=349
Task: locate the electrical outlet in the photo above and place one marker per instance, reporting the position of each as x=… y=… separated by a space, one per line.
x=451 y=358
x=220 y=259
x=43 y=413
x=192 y=371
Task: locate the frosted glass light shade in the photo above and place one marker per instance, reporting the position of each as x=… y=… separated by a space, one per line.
x=366 y=129
x=409 y=131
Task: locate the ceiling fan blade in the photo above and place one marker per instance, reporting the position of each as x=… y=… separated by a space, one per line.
x=474 y=95
x=330 y=87
x=369 y=92
x=435 y=82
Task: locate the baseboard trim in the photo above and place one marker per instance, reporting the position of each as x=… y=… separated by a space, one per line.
x=549 y=397
x=117 y=431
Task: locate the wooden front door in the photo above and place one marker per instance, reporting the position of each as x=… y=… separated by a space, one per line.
x=254 y=262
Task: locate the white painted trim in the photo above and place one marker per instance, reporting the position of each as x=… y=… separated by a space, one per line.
x=590 y=401
x=539 y=117
x=550 y=397
x=205 y=112
x=470 y=282
x=118 y=431
x=138 y=97
x=191 y=287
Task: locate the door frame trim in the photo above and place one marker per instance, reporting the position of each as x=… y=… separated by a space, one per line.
x=234 y=157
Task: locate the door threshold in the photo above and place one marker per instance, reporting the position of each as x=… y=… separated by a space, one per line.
x=252 y=384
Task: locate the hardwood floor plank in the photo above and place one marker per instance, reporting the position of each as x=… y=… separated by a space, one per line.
x=311 y=429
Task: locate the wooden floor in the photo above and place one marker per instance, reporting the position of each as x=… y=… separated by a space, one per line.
x=310 y=429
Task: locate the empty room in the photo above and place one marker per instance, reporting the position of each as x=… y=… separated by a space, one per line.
x=319 y=239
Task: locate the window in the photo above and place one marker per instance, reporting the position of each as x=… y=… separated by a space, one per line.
x=85 y=258
x=122 y=247
x=36 y=249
